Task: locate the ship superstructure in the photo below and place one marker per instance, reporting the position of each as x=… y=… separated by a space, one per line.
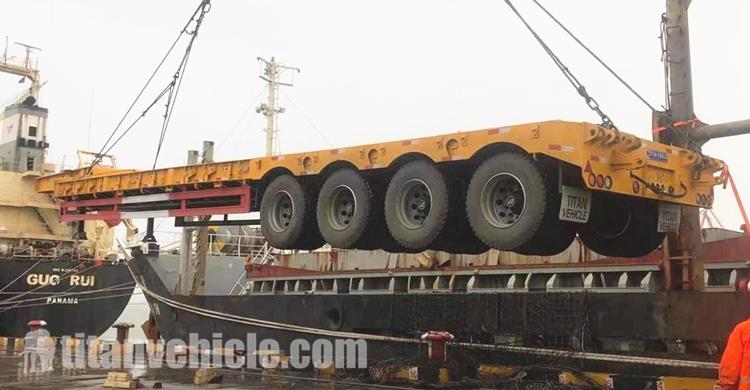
x=55 y=271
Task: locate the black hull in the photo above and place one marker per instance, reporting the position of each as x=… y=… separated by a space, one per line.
x=544 y=320
x=73 y=304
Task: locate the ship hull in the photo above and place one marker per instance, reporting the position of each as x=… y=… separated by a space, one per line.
x=72 y=296
x=652 y=323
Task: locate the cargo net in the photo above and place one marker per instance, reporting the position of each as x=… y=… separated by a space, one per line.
x=550 y=320
x=557 y=321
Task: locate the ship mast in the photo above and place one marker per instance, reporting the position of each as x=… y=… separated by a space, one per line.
x=271 y=74
x=685 y=250
x=23 y=121
x=27 y=70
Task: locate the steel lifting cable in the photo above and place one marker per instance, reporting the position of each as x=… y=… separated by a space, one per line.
x=590 y=101
x=203 y=7
x=166 y=90
x=596 y=57
x=372 y=337
x=179 y=76
x=663 y=32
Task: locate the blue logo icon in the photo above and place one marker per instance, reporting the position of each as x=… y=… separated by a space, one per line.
x=656 y=155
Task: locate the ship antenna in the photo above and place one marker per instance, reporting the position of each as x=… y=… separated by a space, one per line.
x=271 y=74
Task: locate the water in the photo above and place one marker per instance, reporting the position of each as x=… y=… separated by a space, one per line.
x=136 y=312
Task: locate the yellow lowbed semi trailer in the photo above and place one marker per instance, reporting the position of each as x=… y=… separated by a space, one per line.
x=527 y=188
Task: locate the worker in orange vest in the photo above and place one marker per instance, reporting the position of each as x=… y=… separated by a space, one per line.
x=734 y=369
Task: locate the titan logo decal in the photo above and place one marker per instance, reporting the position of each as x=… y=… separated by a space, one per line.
x=656 y=155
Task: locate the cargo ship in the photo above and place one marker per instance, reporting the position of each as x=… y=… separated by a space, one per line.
x=547 y=239
x=61 y=273
x=575 y=301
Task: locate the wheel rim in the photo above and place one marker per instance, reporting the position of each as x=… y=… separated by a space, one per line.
x=282 y=211
x=414 y=202
x=342 y=207
x=503 y=200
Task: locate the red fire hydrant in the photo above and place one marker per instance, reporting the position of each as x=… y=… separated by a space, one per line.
x=436 y=340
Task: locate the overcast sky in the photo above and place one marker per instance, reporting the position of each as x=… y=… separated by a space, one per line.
x=371 y=71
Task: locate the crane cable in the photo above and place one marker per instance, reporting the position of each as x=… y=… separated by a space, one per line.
x=179 y=75
x=596 y=57
x=590 y=101
x=101 y=154
x=203 y=7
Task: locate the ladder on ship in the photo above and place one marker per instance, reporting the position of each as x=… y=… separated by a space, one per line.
x=261 y=256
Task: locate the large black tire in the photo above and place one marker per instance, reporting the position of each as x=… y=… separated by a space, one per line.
x=506 y=201
x=457 y=236
x=344 y=208
x=554 y=236
x=377 y=235
x=287 y=214
x=621 y=226
x=416 y=205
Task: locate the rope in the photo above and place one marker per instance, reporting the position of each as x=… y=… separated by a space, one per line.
x=68 y=293
x=590 y=101
x=65 y=276
x=79 y=300
x=264 y=323
x=596 y=57
x=595 y=356
x=18 y=304
x=20 y=276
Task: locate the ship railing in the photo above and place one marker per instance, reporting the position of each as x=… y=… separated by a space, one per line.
x=32 y=252
x=170 y=247
x=265 y=255
x=241 y=245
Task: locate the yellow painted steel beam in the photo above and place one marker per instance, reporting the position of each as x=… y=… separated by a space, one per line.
x=609 y=161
